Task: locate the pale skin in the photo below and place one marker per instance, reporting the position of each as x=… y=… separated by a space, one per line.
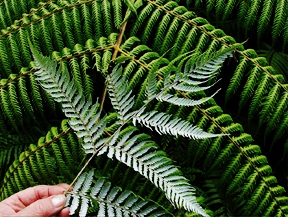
x=41 y=200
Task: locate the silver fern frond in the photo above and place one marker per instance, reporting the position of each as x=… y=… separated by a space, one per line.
x=82 y=114
x=166 y=124
x=121 y=98
x=111 y=200
x=155 y=166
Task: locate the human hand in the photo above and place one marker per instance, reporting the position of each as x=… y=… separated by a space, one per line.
x=41 y=200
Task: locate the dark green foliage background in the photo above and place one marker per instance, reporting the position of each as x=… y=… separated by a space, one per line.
x=244 y=174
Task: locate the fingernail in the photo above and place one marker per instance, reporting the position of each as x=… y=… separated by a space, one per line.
x=58 y=200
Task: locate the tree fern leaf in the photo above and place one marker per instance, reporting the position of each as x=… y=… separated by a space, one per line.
x=279 y=19
x=16 y=108
x=117 y=11
x=7 y=109
x=151 y=80
x=169 y=38
x=165 y=124
x=265 y=200
x=106 y=12
x=220 y=8
x=110 y=200
x=141 y=17
x=261 y=90
x=249 y=86
x=120 y=97
x=64 y=90
x=86 y=21
x=242 y=13
x=251 y=17
x=231 y=170
x=131 y=6
x=161 y=32
x=228 y=9
x=271 y=101
x=48 y=100
x=280 y=108
x=69 y=39
x=3 y=24
x=45 y=37
x=97 y=19
x=181 y=36
x=14 y=51
x=22 y=40
x=77 y=30
x=57 y=36
x=213 y=152
x=285 y=35
x=265 y=17
x=74 y=65
x=182 y=101
x=4 y=58
x=150 y=24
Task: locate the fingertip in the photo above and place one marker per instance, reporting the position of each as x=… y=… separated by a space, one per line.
x=64 y=212
x=58 y=200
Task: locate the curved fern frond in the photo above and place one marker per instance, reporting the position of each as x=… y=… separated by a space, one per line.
x=47 y=162
x=251 y=15
x=227 y=153
x=202 y=37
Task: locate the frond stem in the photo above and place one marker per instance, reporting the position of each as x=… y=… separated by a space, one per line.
x=116 y=49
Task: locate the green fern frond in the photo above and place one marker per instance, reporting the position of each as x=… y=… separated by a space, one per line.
x=279 y=19
x=117 y=11
x=40 y=163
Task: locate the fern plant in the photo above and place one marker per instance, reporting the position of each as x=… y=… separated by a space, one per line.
x=148 y=46
x=89 y=126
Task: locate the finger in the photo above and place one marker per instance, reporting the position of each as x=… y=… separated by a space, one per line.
x=44 y=207
x=63 y=185
x=66 y=186
x=30 y=195
x=64 y=212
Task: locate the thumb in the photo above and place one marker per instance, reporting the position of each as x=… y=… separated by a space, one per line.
x=44 y=207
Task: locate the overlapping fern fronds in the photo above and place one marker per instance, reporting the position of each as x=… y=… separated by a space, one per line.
x=222 y=157
x=85 y=50
x=259 y=15
x=89 y=125
x=50 y=161
x=261 y=83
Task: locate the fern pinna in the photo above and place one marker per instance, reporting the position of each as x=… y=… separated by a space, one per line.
x=229 y=173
